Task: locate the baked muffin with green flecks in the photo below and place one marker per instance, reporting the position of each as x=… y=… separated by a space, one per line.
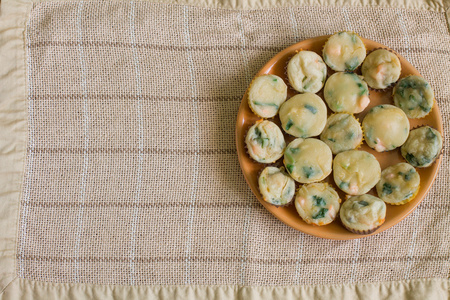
x=346 y=92
x=423 y=146
x=307 y=72
x=276 y=186
x=355 y=172
x=344 y=51
x=414 y=95
x=342 y=132
x=317 y=203
x=265 y=142
x=363 y=214
x=303 y=115
x=399 y=184
x=381 y=68
x=308 y=160
x=266 y=94
x=386 y=127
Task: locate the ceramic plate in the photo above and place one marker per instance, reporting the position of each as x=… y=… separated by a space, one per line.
x=288 y=214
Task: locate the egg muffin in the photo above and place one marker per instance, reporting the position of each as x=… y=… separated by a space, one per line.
x=308 y=160
x=266 y=94
x=276 y=186
x=265 y=142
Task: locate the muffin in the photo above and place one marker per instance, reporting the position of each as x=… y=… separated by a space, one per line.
x=346 y=92
x=306 y=72
x=381 y=68
x=423 y=146
x=265 y=142
x=386 y=127
x=363 y=214
x=303 y=115
x=344 y=51
x=355 y=172
x=342 y=132
x=308 y=160
x=399 y=184
x=276 y=186
x=266 y=94
x=317 y=203
x=414 y=96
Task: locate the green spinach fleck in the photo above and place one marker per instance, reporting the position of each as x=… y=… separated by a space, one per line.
x=320 y=214
x=311 y=108
x=289 y=124
x=290 y=168
x=319 y=201
x=387 y=189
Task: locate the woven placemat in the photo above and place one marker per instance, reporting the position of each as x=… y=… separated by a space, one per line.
x=131 y=172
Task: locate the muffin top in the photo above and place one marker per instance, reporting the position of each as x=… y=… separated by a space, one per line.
x=381 y=68
x=386 y=127
x=266 y=94
x=363 y=214
x=346 y=92
x=398 y=184
x=344 y=51
x=342 y=132
x=276 y=186
x=414 y=96
x=265 y=142
x=355 y=172
x=307 y=72
x=303 y=115
x=423 y=146
x=317 y=203
x=308 y=160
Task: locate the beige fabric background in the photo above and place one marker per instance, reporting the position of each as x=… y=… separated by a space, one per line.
x=131 y=174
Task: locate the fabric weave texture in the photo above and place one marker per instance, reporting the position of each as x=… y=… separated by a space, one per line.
x=131 y=172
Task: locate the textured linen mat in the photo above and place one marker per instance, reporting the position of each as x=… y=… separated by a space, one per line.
x=131 y=175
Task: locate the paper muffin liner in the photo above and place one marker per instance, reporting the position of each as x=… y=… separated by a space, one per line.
x=406 y=200
x=358 y=68
x=362 y=232
x=283 y=170
x=438 y=156
x=390 y=86
x=393 y=103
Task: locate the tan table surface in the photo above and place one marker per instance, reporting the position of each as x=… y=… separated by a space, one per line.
x=118 y=168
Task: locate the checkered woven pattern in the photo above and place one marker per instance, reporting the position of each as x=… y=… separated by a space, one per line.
x=131 y=171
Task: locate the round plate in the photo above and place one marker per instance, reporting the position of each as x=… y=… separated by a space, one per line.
x=288 y=214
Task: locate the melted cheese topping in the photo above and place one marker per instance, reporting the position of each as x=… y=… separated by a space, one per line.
x=266 y=94
x=386 y=127
x=307 y=72
x=342 y=132
x=317 y=203
x=344 y=51
x=303 y=115
x=356 y=172
x=363 y=214
x=308 y=160
x=414 y=96
x=346 y=92
x=276 y=186
x=265 y=142
x=398 y=184
x=422 y=147
x=381 y=68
